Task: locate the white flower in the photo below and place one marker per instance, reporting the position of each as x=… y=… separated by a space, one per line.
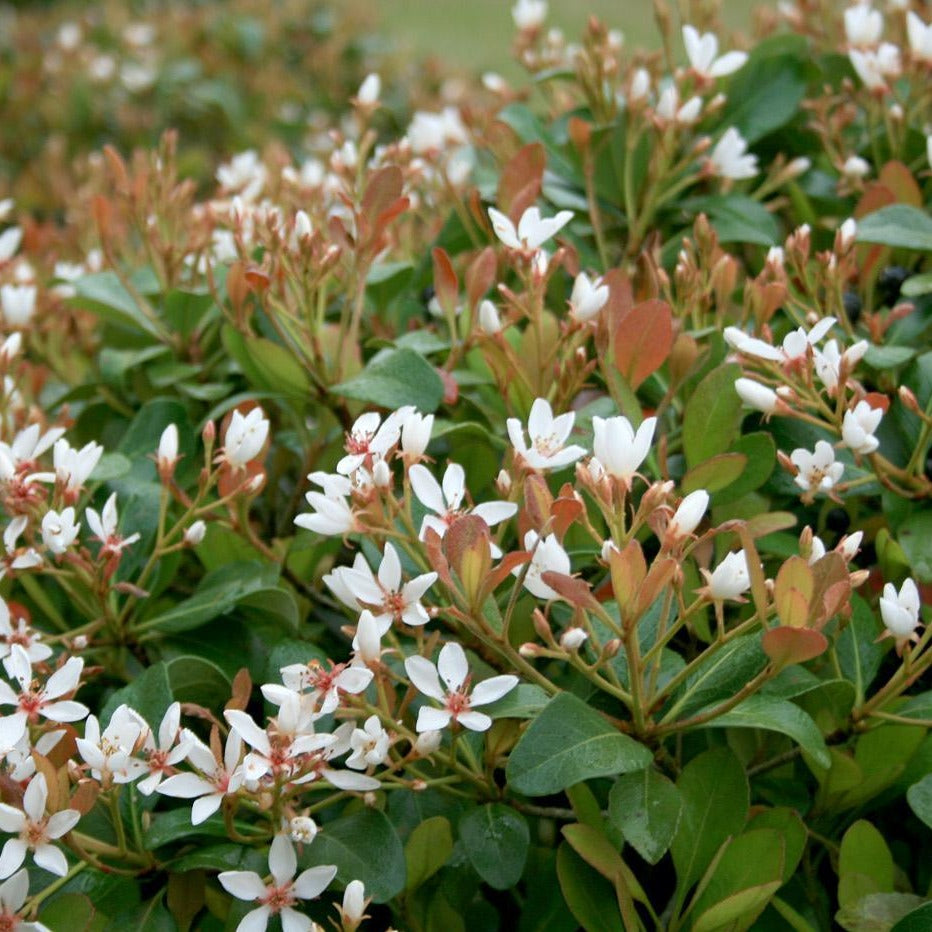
x=669 y=109
x=17 y=558
x=333 y=514
x=920 y=37
x=109 y=754
x=686 y=518
x=640 y=85
x=415 y=435
x=863 y=25
x=430 y=132
x=369 y=743
x=22 y=635
x=619 y=450
x=280 y=896
x=573 y=638
x=195 y=533
x=856 y=167
x=588 y=297
x=529 y=14
x=900 y=611
x=18 y=303
x=370 y=90
x=244 y=173
x=9 y=243
x=457 y=702
x=104 y=526
x=858 y=427
x=829 y=362
x=367 y=643
x=730 y=158
x=13 y=893
x=702 y=52
x=36 y=831
x=162 y=757
x=371 y=439
x=532 y=231
x=167 y=455
x=74 y=467
x=757 y=396
x=873 y=67
x=245 y=437
x=216 y=778
x=548 y=436
x=547 y=556
x=730 y=578
x=818 y=471
x=59 y=530
x=302 y=829
x=446 y=501
x=354 y=903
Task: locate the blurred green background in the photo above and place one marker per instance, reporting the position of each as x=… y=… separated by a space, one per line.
x=477 y=34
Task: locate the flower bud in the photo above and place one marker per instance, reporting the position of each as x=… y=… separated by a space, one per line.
x=80 y=642
x=427 y=742
x=503 y=483
x=354 y=905
x=489 y=321
x=415 y=435
x=195 y=534
x=573 y=639
x=381 y=474
x=908 y=399
x=167 y=456
x=369 y=91
x=302 y=829
x=757 y=396
x=688 y=515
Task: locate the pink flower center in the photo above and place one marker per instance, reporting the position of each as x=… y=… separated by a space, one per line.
x=277 y=898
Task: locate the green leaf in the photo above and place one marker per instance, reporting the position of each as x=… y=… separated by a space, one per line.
x=646 y=808
x=712 y=415
x=268 y=366
x=111 y=466
x=919 y=920
x=393 y=378
x=225 y=857
x=736 y=219
x=72 y=911
x=897 y=225
x=150 y=694
x=774 y=714
x=791 y=829
x=714 y=790
x=878 y=912
x=590 y=897
x=917 y=285
x=496 y=840
x=150 y=917
x=765 y=94
x=915 y=537
x=919 y=797
x=715 y=473
x=386 y=281
x=524 y=701
x=364 y=846
x=428 y=848
x=217 y=594
x=865 y=864
x=761 y=453
x=176 y=824
x=567 y=743
x=859 y=654
x=103 y=293
x=197 y=680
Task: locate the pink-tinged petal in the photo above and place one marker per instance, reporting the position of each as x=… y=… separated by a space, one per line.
x=35 y=797
x=244 y=885
x=64 y=680
x=11 y=819
x=427 y=489
x=293 y=921
x=52 y=859
x=255 y=921
x=65 y=711
x=282 y=860
x=12 y=856
x=312 y=882
x=454 y=485
x=474 y=721
x=431 y=719
x=423 y=674
x=206 y=806
x=60 y=823
x=390 y=569
x=452 y=665
x=248 y=730
x=495 y=512
x=489 y=690
x=350 y=781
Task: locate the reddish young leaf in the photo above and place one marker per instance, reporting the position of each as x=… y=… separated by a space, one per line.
x=575 y=591
x=446 y=284
x=480 y=276
x=899 y=179
x=643 y=340
x=785 y=646
x=521 y=179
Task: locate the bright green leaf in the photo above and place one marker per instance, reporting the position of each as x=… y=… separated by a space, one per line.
x=393 y=378
x=428 y=848
x=646 y=807
x=712 y=415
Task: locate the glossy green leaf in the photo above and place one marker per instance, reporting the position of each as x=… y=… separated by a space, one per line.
x=495 y=838
x=567 y=743
x=198 y=680
x=878 y=912
x=364 y=846
x=590 y=897
x=897 y=225
x=865 y=864
x=761 y=453
x=72 y=911
x=765 y=94
x=917 y=920
x=428 y=848
x=150 y=694
x=526 y=700
x=646 y=807
x=105 y=294
x=714 y=790
x=268 y=366
x=715 y=473
x=736 y=218
x=915 y=537
x=919 y=796
x=393 y=378
x=712 y=415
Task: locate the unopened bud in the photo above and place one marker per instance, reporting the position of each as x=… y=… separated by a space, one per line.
x=529 y=649
x=254 y=484
x=11 y=346
x=209 y=434
x=427 y=742
x=381 y=474
x=908 y=399
x=573 y=639
x=503 y=483
x=354 y=904
x=167 y=455
x=195 y=534
x=302 y=829
x=80 y=642
x=611 y=648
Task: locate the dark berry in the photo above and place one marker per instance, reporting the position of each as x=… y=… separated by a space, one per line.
x=838 y=520
x=889 y=283
x=852 y=303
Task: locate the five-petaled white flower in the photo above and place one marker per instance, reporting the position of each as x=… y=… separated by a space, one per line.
x=36 y=831
x=161 y=756
x=900 y=610
x=588 y=297
x=109 y=754
x=730 y=157
x=279 y=897
x=245 y=437
x=863 y=25
x=371 y=438
x=104 y=526
x=858 y=427
x=458 y=703
x=619 y=450
x=13 y=893
x=59 y=530
x=920 y=37
x=73 y=467
x=369 y=744
x=333 y=514
x=702 y=52
x=532 y=231
x=730 y=579
x=548 y=436
x=818 y=471
x=547 y=556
